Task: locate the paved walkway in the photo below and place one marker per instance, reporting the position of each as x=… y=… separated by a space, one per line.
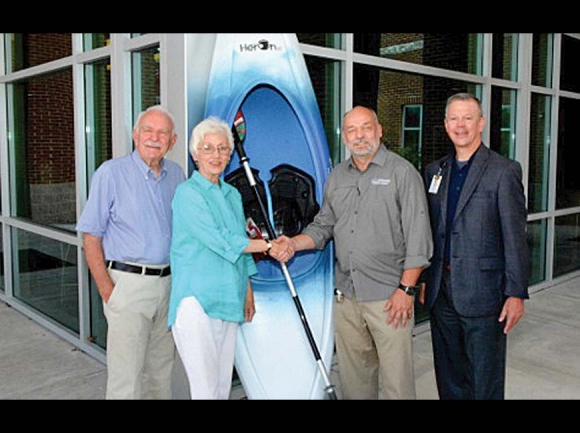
x=543 y=356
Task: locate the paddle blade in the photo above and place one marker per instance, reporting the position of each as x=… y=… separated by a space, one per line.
x=240 y=125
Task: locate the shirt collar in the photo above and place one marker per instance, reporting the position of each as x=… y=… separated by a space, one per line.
x=204 y=182
x=380 y=158
x=144 y=168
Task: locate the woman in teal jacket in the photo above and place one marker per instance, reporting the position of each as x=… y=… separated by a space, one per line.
x=211 y=265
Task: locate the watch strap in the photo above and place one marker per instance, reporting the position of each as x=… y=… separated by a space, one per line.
x=409 y=290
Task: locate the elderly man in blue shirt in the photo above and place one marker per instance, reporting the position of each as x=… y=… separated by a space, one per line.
x=126 y=227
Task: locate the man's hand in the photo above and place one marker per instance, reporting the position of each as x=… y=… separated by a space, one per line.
x=400 y=308
x=513 y=310
x=282 y=249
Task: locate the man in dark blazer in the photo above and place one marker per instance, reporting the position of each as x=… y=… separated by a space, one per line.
x=477 y=281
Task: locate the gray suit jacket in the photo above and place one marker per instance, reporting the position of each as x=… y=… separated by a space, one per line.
x=489 y=253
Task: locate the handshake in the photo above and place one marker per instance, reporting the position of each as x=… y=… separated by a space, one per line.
x=283 y=248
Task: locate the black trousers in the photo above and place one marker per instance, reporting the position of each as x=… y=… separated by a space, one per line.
x=469 y=352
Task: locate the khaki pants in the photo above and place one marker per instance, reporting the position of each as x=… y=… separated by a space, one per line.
x=140 y=347
x=375 y=360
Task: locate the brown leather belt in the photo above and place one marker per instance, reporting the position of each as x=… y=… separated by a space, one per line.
x=136 y=269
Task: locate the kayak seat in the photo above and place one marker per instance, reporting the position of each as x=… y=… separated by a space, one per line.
x=293 y=199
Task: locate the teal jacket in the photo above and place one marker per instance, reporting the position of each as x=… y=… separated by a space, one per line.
x=209 y=235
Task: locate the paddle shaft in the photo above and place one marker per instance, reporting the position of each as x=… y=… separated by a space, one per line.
x=244 y=160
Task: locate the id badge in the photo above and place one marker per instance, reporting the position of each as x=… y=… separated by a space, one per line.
x=435 y=182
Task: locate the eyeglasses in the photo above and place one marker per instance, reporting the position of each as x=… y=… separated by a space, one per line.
x=208 y=149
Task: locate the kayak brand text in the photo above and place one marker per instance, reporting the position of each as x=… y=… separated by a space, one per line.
x=262 y=45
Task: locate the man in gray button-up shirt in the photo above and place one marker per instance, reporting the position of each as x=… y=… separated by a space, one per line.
x=375 y=209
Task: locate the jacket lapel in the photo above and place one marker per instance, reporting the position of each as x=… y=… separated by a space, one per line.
x=475 y=172
x=445 y=165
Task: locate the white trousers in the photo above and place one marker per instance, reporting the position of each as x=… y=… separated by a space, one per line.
x=207 y=348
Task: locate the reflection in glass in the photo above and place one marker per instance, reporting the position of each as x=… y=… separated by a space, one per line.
x=542 y=59
x=1 y=263
x=92 y=41
x=145 y=73
x=325 y=78
x=42 y=149
x=330 y=40
x=98 y=325
x=98 y=115
x=503 y=122
x=539 y=154
x=389 y=93
x=570 y=66
x=412 y=127
x=567 y=244
x=45 y=276
x=537 y=241
x=505 y=56
x=99 y=149
x=461 y=52
x=567 y=172
x=25 y=50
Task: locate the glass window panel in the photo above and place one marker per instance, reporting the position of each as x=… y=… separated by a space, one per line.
x=42 y=149
x=536 y=237
x=505 y=56
x=92 y=41
x=503 y=121
x=411 y=144
x=98 y=322
x=25 y=50
x=460 y=52
x=330 y=40
x=145 y=71
x=412 y=117
x=99 y=149
x=388 y=92
x=45 y=276
x=1 y=262
x=325 y=77
x=567 y=244
x=570 y=66
x=539 y=155
x=98 y=115
x=542 y=59
x=567 y=172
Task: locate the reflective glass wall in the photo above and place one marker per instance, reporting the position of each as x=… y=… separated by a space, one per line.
x=68 y=103
x=59 y=129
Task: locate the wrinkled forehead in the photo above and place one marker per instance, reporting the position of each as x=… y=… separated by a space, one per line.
x=156 y=120
x=459 y=107
x=358 y=118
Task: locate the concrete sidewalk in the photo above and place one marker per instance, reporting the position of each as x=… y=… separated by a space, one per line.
x=543 y=354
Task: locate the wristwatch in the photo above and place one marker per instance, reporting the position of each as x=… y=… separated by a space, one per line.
x=269 y=246
x=409 y=290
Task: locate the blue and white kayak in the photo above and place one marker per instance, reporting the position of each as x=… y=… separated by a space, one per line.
x=265 y=77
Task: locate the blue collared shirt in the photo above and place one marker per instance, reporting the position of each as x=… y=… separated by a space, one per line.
x=130 y=209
